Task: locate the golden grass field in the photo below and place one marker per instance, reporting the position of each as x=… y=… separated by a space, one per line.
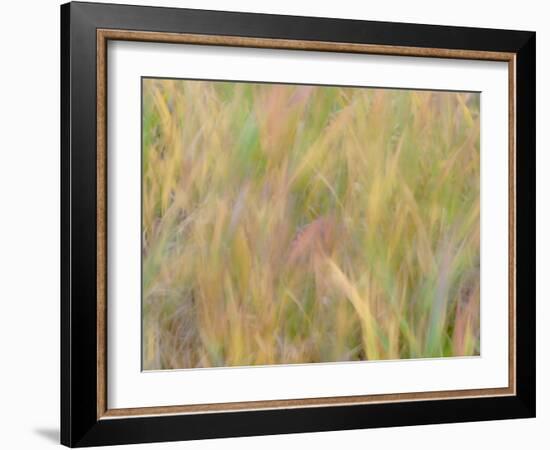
x=298 y=224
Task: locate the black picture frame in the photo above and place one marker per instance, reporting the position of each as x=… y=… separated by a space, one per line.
x=80 y=425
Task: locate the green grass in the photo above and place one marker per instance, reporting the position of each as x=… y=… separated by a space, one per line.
x=293 y=224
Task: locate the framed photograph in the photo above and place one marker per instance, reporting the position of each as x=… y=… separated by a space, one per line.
x=278 y=224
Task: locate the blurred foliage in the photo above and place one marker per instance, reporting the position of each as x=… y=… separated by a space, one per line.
x=295 y=224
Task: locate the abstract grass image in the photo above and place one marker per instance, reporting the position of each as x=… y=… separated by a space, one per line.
x=289 y=224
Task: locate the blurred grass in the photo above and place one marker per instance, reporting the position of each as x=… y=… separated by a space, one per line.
x=293 y=224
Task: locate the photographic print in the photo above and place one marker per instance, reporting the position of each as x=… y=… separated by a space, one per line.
x=294 y=224
x=272 y=224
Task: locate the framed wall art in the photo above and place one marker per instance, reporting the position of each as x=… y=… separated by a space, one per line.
x=277 y=224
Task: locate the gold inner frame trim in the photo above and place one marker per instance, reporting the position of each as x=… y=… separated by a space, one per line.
x=103 y=36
